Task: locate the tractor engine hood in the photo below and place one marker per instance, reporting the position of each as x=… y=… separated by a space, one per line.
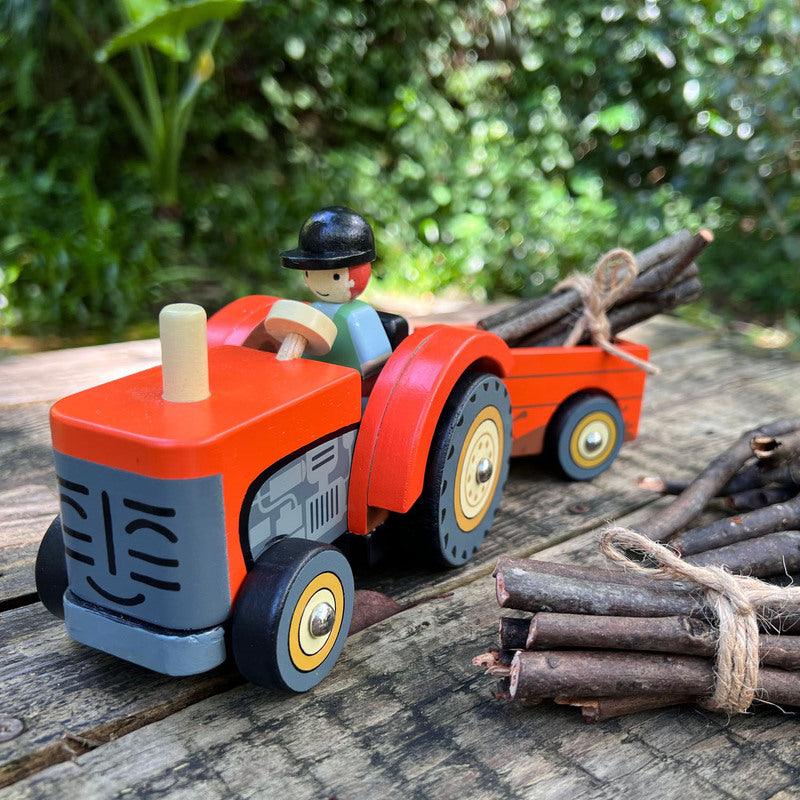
x=259 y=410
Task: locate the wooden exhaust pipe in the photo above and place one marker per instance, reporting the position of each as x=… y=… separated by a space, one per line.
x=184 y=353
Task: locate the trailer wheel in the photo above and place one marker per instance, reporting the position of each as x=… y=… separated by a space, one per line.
x=292 y=615
x=51 y=570
x=586 y=435
x=467 y=470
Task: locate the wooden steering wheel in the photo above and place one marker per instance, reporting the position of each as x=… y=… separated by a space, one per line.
x=299 y=327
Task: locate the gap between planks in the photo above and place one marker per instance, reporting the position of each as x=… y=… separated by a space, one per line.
x=73 y=744
x=410 y=716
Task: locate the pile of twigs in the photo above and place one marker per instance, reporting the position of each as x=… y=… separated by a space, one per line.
x=668 y=277
x=614 y=642
x=759 y=475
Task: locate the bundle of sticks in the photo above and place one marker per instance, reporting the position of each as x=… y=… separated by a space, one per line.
x=668 y=277
x=614 y=642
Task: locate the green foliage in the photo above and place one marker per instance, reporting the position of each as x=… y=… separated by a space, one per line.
x=158 y=24
x=494 y=145
x=160 y=119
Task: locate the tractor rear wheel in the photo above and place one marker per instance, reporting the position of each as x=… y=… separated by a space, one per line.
x=292 y=616
x=467 y=470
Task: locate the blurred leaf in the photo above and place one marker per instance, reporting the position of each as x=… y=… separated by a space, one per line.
x=165 y=26
x=622 y=117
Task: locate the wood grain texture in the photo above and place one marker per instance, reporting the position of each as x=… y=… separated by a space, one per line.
x=53 y=374
x=28 y=496
x=536 y=510
x=402 y=714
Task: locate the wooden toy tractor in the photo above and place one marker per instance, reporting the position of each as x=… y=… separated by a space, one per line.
x=201 y=501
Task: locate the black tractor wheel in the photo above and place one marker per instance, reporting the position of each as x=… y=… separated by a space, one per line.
x=51 y=570
x=585 y=436
x=292 y=615
x=467 y=470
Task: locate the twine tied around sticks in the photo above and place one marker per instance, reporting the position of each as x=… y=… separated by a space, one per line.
x=738 y=601
x=611 y=278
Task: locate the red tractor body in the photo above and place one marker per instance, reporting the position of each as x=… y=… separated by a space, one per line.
x=169 y=511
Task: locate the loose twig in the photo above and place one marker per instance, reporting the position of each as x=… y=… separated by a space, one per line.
x=690 y=503
x=773 y=518
x=773 y=554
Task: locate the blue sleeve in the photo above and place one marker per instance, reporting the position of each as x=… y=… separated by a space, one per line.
x=368 y=336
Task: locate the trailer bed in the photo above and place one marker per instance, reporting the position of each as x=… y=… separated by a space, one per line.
x=542 y=378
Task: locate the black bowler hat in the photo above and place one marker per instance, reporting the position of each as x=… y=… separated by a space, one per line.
x=333 y=237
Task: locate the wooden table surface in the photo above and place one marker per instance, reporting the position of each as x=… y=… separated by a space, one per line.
x=404 y=714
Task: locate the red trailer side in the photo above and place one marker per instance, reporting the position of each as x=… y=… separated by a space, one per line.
x=542 y=378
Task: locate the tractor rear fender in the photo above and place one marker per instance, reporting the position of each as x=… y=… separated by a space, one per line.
x=399 y=421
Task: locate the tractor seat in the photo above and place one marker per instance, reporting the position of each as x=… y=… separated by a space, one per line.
x=396 y=327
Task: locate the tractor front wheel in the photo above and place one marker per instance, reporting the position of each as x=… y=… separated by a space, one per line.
x=292 y=616
x=51 y=570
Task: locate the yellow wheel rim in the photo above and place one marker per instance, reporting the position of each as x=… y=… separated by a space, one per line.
x=481 y=453
x=593 y=440
x=306 y=650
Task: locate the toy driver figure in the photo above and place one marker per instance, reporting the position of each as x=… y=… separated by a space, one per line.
x=335 y=250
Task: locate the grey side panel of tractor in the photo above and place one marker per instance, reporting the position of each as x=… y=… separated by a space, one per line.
x=150 y=549
x=167 y=652
x=307 y=497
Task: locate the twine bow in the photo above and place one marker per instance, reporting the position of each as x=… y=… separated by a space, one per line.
x=738 y=601
x=611 y=278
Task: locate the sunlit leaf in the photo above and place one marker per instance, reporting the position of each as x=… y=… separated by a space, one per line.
x=166 y=29
x=468 y=226
x=625 y=117
x=141 y=11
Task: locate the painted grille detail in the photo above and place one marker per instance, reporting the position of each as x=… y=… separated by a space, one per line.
x=147 y=548
x=323 y=508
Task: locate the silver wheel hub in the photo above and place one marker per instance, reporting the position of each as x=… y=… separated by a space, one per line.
x=321 y=621
x=484 y=470
x=593 y=441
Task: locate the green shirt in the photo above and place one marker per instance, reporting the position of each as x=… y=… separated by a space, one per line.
x=361 y=341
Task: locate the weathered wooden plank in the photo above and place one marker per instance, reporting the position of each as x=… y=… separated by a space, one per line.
x=28 y=499
x=107 y=700
x=406 y=714
x=110 y=690
x=38 y=377
x=46 y=376
x=536 y=508
x=705 y=373
x=71 y=698
x=665 y=332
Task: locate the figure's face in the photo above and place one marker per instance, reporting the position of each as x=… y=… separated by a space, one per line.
x=330 y=285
